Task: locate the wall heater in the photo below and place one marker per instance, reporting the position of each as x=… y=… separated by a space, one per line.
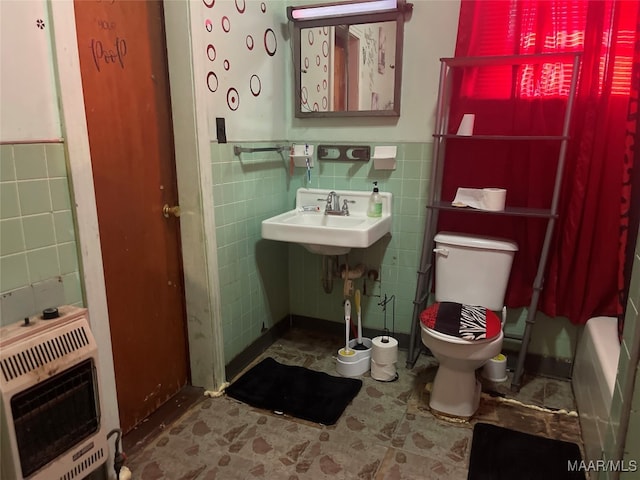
x=51 y=424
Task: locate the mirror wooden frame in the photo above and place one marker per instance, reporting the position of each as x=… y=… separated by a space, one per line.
x=397 y=16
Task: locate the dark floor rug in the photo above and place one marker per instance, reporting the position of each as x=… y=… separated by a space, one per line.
x=498 y=453
x=295 y=391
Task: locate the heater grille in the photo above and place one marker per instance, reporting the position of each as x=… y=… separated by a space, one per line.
x=84 y=465
x=53 y=416
x=43 y=353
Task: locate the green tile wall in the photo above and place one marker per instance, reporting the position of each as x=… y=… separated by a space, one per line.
x=262 y=281
x=252 y=271
x=37 y=234
x=395 y=258
x=630 y=337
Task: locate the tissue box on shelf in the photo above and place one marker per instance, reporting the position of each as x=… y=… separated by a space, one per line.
x=384 y=158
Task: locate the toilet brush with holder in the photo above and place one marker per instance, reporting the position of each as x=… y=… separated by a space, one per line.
x=357 y=364
x=355 y=358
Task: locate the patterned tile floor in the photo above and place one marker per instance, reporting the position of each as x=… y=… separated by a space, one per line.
x=387 y=432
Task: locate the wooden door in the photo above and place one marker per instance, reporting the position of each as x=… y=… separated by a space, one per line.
x=125 y=81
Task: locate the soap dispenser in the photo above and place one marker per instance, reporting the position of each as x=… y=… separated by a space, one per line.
x=375 y=202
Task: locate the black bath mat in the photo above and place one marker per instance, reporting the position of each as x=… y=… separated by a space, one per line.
x=498 y=453
x=295 y=391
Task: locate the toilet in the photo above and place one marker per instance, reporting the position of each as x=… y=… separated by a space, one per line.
x=462 y=329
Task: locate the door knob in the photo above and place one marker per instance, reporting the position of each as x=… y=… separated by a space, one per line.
x=167 y=210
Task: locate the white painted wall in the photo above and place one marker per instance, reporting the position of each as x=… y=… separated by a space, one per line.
x=244 y=52
x=27 y=84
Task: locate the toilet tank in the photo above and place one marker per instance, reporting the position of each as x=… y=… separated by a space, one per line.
x=471 y=269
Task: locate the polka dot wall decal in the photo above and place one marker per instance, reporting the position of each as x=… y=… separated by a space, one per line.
x=316 y=108
x=226 y=65
x=325 y=49
x=208 y=25
x=317 y=60
x=211 y=52
x=325 y=103
x=325 y=68
x=226 y=24
x=212 y=82
x=318 y=88
x=209 y=3
x=310 y=37
x=255 y=85
x=304 y=95
x=270 y=42
x=324 y=84
x=263 y=7
x=249 y=42
x=306 y=62
x=241 y=6
x=233 y=99
x=325 y=30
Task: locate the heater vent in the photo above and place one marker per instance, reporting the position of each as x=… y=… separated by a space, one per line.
x=43 y=353
x=84 y=465
x=50 y=387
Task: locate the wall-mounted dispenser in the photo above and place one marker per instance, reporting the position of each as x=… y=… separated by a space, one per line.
x=384 y=157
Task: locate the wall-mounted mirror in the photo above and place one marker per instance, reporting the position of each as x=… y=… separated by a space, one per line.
x=348 y=65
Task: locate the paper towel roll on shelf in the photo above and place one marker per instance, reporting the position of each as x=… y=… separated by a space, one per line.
x=384 y=356
x=491 y=199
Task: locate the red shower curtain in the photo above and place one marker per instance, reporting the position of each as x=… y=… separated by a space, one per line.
x=582 y=276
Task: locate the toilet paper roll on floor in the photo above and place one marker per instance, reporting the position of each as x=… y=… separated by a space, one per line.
x=384 y=356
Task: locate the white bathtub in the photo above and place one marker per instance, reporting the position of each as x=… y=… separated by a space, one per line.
x=594 y=378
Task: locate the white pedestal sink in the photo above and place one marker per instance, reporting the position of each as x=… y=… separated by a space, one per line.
x=325 y=234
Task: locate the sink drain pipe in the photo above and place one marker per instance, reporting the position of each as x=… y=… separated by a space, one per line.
x=327 y=273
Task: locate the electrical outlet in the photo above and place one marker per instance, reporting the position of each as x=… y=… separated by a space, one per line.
x=221 y=130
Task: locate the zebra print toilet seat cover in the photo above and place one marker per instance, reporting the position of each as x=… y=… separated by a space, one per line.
x=470 y=322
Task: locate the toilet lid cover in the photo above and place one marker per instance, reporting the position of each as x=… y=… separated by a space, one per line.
x=470 y=322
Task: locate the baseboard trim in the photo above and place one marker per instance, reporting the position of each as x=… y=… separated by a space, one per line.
x=534 y=363
x=537 y=364
x=249 y=354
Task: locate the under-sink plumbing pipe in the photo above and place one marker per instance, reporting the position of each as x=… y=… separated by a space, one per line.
x=330 y=270
x=351 y=273
x=327 y=273
x=348 y=275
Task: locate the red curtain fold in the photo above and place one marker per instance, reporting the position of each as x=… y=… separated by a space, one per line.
x=583 y=271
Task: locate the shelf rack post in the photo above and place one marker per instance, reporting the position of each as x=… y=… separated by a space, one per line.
x=435 y=203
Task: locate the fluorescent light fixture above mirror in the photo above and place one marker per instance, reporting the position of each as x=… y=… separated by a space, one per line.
x=312 y=12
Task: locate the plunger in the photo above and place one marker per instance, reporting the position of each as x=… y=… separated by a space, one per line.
x=359 y=345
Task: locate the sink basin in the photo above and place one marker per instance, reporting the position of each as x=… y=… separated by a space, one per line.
x=308 y=225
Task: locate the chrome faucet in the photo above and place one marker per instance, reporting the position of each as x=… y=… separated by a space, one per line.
x=333 y=205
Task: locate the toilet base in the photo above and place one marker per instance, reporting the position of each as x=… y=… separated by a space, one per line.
x=455 y=393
